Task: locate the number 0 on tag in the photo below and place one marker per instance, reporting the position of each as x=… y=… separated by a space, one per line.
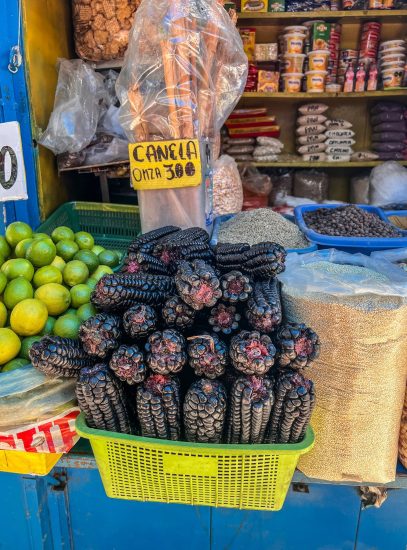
x=165 y=164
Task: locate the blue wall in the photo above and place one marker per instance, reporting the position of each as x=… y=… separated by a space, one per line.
x=14 y=106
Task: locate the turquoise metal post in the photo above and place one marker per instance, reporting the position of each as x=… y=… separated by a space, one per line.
x=14 y=105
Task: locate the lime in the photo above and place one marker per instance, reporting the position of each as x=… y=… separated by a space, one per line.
x=3 y=315
x=2 y=259
x=9 y=345
x=56 y=298
x=89 y=258
x=18 y=267
x=59 y=263
x=97 y=249
x=86 y=311
x=41 y=252
x=16 y=291
x=47 y=274
x=101 y=271
x=62 y=232
x=28 y=317
x=67 y=249
x=84 y=240
x=5 y=250
x=109 y=258
x=70 y=311
x=16 y=232
x=26 y=344
x=80 y=295
x=49 y=326
x=75 y=272
x=37 y=236
x=91 y=283
x=3 y=282
x=67 y=326
x=15 y=364
x=22 y=247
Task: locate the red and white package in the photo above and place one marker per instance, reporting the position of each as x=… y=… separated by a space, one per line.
x=54 y=435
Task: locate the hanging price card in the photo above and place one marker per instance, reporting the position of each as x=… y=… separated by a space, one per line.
x=165 y=164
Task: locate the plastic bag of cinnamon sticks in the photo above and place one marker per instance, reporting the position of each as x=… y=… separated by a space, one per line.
x=183 y=74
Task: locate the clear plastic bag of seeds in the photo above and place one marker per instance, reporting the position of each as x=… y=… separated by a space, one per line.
x=227 y=187
x=339 y=273
x=77 y=107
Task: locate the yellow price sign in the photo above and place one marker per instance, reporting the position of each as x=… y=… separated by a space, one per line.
x=165 y=164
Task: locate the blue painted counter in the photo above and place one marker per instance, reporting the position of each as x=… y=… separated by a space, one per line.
x=69 y=510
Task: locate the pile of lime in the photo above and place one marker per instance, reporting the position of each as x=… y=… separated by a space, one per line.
x=45 y=286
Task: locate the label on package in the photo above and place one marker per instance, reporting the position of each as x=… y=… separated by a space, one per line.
x=165 y=164
x=53 y=435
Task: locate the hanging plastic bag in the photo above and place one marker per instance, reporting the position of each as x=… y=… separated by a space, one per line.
x=110 y=79
x=77 y=107
x=109 y=123
x=388 y=184
x=227 y=187
x=37 y=414
x=358 y=307
x=107 y=149
x=183 y=73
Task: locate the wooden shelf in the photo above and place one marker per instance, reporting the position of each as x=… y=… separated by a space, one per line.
x=284 y=16
x=402 y=92
x=303 y=164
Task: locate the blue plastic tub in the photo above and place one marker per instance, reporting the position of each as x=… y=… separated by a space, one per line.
x=222 y=219
x=364 y=245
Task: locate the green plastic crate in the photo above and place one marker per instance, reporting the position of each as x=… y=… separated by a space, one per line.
x=113 y=226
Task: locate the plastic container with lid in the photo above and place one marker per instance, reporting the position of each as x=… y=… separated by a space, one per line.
x=292 y=82
x=295 y=29
x=294 y=42
x=393 y=57
x=316 y=81
x=293 y=62
x=318 y=60
x=392 y=78
x=392 y=65
x=333 y=87
x=391 y=44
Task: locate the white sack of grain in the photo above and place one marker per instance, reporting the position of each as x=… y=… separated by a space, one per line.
x=358 y=307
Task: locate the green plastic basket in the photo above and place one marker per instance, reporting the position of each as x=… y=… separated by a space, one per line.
x=113 y=226
x=252 y=477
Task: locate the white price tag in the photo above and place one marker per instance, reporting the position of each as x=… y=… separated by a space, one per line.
x=13 y=185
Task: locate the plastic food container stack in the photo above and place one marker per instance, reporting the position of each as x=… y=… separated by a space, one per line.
x=392 y=57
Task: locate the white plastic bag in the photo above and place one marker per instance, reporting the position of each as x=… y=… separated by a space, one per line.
x=77 y=107
x=388 y=184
